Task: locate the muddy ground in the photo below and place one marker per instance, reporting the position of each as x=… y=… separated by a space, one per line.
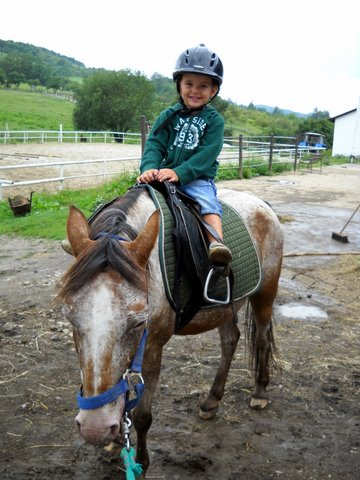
x=310 y=430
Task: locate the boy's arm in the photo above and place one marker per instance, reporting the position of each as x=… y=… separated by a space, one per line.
x=203 y=163
x=155 y=147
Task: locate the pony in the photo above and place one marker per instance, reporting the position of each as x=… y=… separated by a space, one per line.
x=114 y=289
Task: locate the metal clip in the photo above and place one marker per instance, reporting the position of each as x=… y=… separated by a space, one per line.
x=127 y=426
x=206 y=287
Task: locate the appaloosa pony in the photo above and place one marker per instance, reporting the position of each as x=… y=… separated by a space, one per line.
x=114 y=290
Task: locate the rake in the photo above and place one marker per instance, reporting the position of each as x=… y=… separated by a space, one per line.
x=339 y=236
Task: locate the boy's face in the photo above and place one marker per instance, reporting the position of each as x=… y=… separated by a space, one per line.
x=196 y=90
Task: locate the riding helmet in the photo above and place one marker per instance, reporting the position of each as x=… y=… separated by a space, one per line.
x=199 y=60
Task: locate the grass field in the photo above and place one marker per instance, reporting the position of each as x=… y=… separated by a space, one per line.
x=34 y=111
x=49 y=211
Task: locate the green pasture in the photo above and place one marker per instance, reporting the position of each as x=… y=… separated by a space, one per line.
x=34 y=111
x=49 y=211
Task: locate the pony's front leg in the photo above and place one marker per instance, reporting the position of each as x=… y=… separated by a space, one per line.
x=142 y=414
x=229 y=336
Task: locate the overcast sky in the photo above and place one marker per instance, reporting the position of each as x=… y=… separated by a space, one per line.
x=298 y=55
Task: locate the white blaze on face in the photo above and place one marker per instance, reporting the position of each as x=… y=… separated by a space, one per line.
x=101 y=324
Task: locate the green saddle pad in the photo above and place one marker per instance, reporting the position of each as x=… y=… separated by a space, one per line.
x=245 y=264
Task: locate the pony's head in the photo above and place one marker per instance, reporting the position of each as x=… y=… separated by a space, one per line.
x=104 y=294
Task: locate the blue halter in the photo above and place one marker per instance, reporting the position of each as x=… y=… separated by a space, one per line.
x=91 y=403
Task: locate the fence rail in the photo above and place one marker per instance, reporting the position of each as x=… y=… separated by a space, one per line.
x=62 y=136
x=238 y=153
x=129 y=163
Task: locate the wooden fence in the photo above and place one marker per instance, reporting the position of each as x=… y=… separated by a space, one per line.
x=238 y=153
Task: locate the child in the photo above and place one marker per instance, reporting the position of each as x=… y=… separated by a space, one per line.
x=187 y=138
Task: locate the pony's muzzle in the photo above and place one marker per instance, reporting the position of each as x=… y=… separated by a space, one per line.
x=97 y=429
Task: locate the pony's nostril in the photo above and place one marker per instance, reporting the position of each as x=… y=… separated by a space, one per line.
x=78 y=424
x=114 y=429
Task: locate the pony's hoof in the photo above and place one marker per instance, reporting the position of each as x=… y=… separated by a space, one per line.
x=208 y=414
x=259 y=403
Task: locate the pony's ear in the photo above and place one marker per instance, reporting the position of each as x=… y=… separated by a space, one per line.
x=78 y=231
x=143 y=244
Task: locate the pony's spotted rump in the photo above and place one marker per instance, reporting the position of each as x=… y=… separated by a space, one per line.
x=114 y=288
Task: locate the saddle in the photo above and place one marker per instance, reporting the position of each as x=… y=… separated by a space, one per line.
x=190 y=245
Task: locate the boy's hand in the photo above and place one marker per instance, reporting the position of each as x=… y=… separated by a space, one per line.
x=167 y=174
x=148 y=176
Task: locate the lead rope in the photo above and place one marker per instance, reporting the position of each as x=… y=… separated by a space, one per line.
x=133 y=470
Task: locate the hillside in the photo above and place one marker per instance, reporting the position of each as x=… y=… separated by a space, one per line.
x=284 y=111
x=34 y=111
x=59 y=64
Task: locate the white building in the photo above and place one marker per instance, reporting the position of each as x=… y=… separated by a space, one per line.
x=347 y=133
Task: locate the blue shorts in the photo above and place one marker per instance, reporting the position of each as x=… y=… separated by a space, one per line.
x=204 y=192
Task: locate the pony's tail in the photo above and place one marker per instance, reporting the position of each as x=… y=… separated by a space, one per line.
x=250 y=342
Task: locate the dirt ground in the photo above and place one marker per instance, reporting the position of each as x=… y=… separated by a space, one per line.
x=311 y=429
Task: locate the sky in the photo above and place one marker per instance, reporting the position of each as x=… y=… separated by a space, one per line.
x=297 y=55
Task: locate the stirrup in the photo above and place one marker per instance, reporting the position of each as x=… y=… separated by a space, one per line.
x=207 y=282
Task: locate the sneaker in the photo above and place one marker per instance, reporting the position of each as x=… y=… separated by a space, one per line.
x=219 y=253
x=65 y=244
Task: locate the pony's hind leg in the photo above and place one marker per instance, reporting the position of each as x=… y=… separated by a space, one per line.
x=261 y=343
x=229 y=336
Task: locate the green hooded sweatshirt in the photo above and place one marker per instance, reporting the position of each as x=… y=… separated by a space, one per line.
x=187 y=143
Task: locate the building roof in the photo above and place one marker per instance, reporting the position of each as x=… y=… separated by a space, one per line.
x=332 y=119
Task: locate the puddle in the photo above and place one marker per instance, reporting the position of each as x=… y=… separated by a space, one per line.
x=298 y=311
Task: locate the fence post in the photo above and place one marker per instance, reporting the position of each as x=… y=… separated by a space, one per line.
x=271 y=152
x=241 y=157
x=296 y=152
x=144 y=128
x=61 y=186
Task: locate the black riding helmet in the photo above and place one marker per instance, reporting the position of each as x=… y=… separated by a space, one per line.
x=199 y=60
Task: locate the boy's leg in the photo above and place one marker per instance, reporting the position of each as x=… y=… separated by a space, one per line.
x=218 y=252
x=214 y=221
x=204 y=192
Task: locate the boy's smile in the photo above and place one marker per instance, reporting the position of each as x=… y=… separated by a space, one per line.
x=196 y=89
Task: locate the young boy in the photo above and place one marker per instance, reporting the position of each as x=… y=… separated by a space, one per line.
x=187 y=138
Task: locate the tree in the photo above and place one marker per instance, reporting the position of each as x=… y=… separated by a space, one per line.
x=113 y=101
x=2 y=77
x=220 y=104
x=319 y=114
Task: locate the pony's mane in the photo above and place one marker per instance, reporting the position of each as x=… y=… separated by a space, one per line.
x=107 y=252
